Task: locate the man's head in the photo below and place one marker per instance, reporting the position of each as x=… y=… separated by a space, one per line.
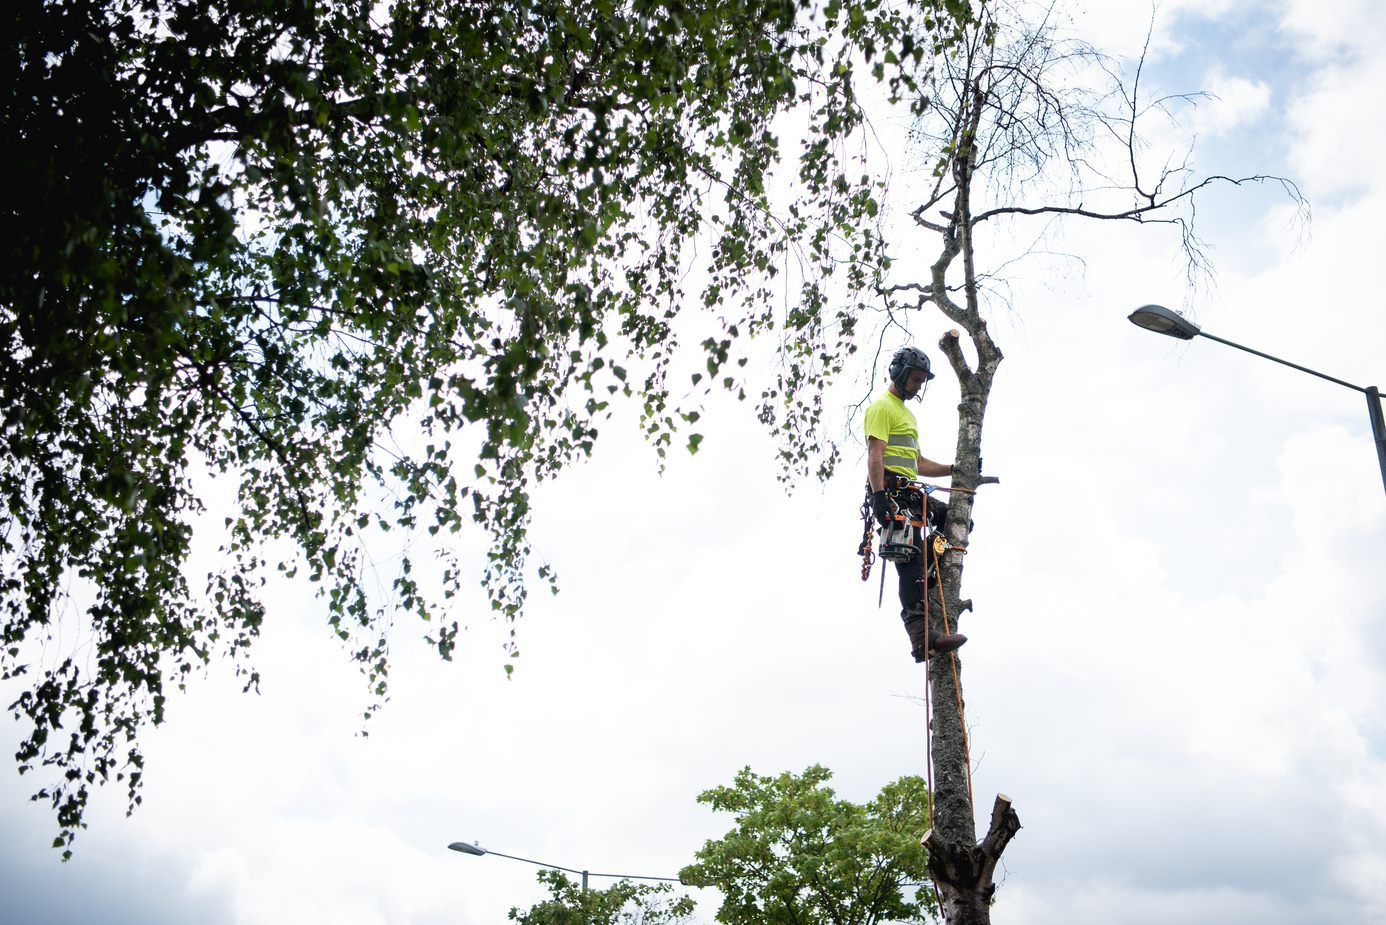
x=909 y=371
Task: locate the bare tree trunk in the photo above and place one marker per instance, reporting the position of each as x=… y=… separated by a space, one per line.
x=961 y=866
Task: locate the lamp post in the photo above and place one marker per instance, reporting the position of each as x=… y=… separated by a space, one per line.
x=1162 y=320
x=478 y=851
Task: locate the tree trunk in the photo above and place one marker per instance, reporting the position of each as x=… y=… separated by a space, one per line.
x=961 y=867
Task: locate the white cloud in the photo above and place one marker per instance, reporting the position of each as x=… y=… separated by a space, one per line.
x=1235 y=102
x=1330 y=29
x=1338 y=120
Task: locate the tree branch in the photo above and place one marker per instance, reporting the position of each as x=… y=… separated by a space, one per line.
x=1135 y=214
x=950 y=344
x=1004 y=826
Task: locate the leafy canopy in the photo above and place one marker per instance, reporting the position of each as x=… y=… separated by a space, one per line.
x=372 y=269
x=623 y=903
x=797 y=855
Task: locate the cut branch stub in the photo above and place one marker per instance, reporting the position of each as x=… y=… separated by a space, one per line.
x=951 y=345
x=1004 y=826
x=969 y=869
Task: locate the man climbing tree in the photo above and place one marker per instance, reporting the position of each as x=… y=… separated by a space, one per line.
x=893 y=461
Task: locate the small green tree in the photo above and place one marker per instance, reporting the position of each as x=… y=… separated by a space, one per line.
x=797 y=855
x=623 y=903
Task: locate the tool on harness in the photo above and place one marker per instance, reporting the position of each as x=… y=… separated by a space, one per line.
x=897 y=538
x=897 y=522
x=896 y=531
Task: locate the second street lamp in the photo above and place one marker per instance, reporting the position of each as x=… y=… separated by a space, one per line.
x=1162 y=320
x=478 y=851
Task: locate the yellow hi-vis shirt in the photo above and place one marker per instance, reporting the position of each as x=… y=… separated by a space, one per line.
x=888 y=419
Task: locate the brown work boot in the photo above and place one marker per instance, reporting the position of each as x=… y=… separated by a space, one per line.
x=938 y=645
x=920 y=638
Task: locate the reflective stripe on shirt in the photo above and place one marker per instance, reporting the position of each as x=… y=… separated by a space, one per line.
x=902 y=465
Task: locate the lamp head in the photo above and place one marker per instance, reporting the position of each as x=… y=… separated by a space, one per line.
x=1161 y=320
x=467 y=849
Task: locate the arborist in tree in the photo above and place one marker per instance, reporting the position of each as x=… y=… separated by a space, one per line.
x=892 y=462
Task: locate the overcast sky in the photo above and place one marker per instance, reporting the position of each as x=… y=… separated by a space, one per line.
x=1176 y=658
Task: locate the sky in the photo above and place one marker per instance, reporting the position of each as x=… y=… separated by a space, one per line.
x=1175 y=661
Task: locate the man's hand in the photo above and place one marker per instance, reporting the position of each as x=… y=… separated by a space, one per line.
x=880 y=506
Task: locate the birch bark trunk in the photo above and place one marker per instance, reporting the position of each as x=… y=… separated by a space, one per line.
x=961 y=866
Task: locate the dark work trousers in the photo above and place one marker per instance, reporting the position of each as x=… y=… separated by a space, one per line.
x=911 y=571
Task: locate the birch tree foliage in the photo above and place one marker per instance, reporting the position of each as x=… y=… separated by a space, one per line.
x=266 y=239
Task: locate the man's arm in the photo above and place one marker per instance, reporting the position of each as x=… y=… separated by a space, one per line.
x=875 y=463
x=930 y=468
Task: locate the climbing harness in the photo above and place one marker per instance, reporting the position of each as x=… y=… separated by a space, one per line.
x=897 y=534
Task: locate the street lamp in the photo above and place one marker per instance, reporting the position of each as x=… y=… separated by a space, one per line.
x=1162 y=320
x=468 y=849
x=478 y=851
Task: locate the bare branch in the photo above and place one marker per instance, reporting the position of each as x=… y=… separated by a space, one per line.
x=1138 y=213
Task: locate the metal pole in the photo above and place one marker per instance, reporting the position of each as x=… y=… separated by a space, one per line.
x=1378 y=427
x=1275 y=359
x=1373 y=395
